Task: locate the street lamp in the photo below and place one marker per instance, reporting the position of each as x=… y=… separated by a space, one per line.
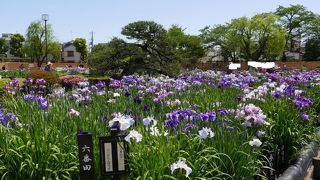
x=45 y=18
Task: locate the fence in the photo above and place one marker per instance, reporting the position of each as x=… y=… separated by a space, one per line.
x=310 y=65
x=31 y=66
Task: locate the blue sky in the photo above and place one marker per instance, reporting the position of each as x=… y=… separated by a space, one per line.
x=77 y=18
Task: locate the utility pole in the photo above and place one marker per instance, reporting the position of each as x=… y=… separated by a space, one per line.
x=45 y=18
x=91 y=42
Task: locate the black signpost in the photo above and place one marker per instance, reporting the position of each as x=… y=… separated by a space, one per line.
x=113 y=155
x=86 y=159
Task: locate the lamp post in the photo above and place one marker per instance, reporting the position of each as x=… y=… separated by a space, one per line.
x=45 y=18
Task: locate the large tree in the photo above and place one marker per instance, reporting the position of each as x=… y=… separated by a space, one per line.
x=54 y=51
x=187 y=48
x=222 y=38
x=261 y=37
x=150 y=49
x=35 y=42
x=257 y=38
x=16 y=45
x=152 y=39
x=116 y=57
x=81 y=47
x=312 y=48
x=295 y=19
x=3 y=47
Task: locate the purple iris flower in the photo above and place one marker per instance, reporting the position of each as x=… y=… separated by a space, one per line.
x=272 y=77
x=42 y=102
x=289 y=91
x=2 y=116
x=126 y=92
x=29 y=97
x=101 y=85
x=146 y=108
x=304 y=116
x=137 y=99
x=277 y=94
x=6 y=118
x=303 y=102
x=222 y=111
x=188 y=126
x=105 y=119
x=208 y=116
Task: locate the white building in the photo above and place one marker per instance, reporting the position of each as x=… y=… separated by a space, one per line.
x=69 y=53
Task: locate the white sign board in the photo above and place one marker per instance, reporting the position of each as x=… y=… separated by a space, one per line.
x=234 y=66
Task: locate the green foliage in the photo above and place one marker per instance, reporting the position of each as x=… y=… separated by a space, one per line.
x=287 y=134
x=151 y=50
x=54 y=49
x=313 y=30
x=16 y=45
x=152 y=39
x=113 y=57
x=188 y=48
x=224 y=37
x=3 y=47
x=295 y=19
x=2 y=91
x=312 y=50
x=257 y=38
x=81 y=47
x=50 y=77
x=13 y=74
x=35 y=42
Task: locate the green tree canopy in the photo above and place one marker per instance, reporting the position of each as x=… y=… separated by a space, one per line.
x=115 y=57
x=54 y=50
x=35 y=41
x=3 y=47
x=187 y=48
x=256 y=38
x=312 y=49
x=81 y=47
x=295 y=19
x=16 y=45
x=150 y=48
x=151 y=38
x=224 y=37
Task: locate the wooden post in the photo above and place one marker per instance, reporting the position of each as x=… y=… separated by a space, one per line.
x=86 y=158
x=114 y=134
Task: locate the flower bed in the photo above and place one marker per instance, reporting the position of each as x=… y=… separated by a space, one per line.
x=198 y=125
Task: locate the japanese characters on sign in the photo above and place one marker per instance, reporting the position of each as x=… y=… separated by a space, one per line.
x=86 y=158
x=114 y=156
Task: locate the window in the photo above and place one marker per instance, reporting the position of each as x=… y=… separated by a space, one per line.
x=70 y=53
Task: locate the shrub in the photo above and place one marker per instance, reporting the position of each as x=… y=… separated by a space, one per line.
x=50 y=77
x=68 y=81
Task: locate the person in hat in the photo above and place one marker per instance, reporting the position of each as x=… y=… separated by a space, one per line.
x=48 y=67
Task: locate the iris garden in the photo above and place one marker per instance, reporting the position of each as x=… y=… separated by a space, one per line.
x=198 y=125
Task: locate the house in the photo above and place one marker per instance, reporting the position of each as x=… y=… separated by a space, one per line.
x=69 y=53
